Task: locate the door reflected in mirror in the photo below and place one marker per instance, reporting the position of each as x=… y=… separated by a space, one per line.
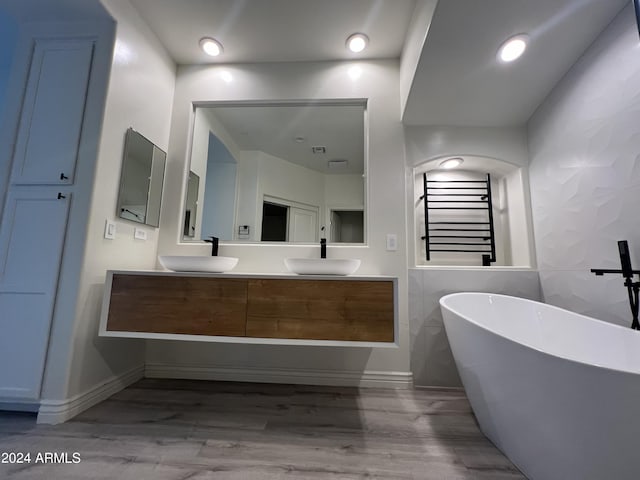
x=277 y=172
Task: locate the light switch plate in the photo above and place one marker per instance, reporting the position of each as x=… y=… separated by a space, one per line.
x=109 y=230
x=392 y=242
x=140 y=234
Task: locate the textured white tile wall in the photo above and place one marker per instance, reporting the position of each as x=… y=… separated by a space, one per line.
x=431 y=359
x=584 y=148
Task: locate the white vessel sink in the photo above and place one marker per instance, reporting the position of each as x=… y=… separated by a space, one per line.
x=183 y=263
x=322 y=266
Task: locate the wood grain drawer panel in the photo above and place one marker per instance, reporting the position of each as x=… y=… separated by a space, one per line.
x=321 y=309
x=184 y=305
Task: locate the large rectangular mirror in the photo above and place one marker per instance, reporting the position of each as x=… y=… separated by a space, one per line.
x=286 y=172
x=141 y=180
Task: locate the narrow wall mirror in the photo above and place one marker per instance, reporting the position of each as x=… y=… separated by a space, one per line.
x=141 y=180
x=277 y=172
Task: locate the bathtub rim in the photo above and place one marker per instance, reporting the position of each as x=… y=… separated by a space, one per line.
x=527 y=345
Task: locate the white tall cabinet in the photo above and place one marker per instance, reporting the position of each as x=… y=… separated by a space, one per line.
x=36 y=208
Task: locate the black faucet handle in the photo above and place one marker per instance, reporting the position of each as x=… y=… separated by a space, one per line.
x=214 y=245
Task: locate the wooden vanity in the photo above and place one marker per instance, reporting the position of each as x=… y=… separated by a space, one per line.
x=248 y=308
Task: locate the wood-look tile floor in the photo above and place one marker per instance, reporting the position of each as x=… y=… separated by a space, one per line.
x=179 y=430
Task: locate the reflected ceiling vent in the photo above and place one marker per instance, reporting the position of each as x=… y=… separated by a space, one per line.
x=319 y=149
x=337 y=164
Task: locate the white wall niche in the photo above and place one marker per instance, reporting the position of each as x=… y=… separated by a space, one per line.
x=511 y=228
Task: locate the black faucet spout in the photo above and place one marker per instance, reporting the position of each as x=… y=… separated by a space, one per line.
x=323 y=248
x=214 y=245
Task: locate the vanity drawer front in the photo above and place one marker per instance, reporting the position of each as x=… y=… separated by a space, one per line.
x=354 y=310
x=186 y=305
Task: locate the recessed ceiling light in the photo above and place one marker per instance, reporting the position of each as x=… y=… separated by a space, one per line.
x=357 y=42
x=513 y=48
x=451 y=163
x=210 y=46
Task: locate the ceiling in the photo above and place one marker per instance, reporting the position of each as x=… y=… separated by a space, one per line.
x=457 y=80
x=289 y=131
x=277 y=30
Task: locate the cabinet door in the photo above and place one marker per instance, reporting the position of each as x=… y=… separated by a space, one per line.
x=50 y=126
x=31 y=240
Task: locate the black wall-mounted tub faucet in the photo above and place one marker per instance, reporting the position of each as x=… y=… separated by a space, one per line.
x=214 y=245
x=627 y=271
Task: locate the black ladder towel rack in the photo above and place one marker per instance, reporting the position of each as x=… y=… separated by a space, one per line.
x=447 y=200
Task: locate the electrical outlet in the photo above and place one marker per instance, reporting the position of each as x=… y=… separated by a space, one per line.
x=140 y=234
x=109 y=230
x=392 y=242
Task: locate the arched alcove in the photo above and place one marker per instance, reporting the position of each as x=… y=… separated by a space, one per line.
x=459 y=226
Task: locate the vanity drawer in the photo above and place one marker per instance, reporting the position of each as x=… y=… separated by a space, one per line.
x=321 y=309
x=180 y=305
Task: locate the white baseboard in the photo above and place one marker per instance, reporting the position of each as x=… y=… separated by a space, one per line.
x=57 y=411
x=274 y=375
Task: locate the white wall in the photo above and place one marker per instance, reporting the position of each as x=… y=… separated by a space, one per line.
x=414 y=41
x=247 y=202
x=506 y=144
x=379 y=82
x=344 y=191
x=518 y=221
x=585 y=174
x=431 y=358
x=287 y=181
x=139 y=95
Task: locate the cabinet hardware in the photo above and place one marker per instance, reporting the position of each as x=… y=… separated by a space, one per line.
x=60 y=195
x=63 y=176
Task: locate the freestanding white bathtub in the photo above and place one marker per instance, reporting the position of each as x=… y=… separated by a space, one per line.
x=557 y=392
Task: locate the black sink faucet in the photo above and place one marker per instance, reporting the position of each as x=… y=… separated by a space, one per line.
x=214 y=245
x=323 y=244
